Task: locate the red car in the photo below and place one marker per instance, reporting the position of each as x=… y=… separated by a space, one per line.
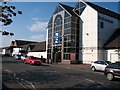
x=32 y=60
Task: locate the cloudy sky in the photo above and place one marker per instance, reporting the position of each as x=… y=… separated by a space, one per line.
x=31 y=25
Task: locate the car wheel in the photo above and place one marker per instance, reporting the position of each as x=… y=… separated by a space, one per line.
x=110 y=76
x=30 y=63
x=25 y=62
x=40 y=64
x=93 y=68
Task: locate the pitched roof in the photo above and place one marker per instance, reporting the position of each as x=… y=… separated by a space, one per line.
x=35 y=47
x=41 y=46
x=7 y=47
x=114 y=41
x=104 y=11
x=69 y=9
x=96 y=7
x=22 y=42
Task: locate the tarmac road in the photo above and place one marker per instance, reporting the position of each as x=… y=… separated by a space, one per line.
x=17 y=75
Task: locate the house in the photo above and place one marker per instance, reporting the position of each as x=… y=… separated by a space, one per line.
x=6 y=51
x=112 y=47
x=30 y=48
x=78 y=34
x=16 y=46
x=38 y=50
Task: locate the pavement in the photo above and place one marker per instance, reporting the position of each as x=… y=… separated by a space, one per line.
x=72 y=66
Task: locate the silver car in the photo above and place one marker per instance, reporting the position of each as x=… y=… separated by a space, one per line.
x=99 y=65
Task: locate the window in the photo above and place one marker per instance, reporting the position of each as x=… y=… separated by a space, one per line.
x=58 y=29
x=80 y=8
x=67 y=56
x=101 y=24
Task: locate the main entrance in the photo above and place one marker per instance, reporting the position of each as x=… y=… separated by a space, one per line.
x=56 y=54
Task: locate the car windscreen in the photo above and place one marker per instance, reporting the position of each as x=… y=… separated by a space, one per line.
x=34 y=58
x=115 y=65
x=108 y=62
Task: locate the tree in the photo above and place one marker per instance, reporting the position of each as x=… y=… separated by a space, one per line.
x=6 y=14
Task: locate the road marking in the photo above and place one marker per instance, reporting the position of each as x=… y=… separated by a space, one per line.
x=17 y=78
x=14 y=74
x=22 y=79
x=88 y=80
x=22 y=84
x=33 y=86
x=96 y=82
x=8 y=71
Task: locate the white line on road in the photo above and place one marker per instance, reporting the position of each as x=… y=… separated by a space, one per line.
x=88 y=80
x=17 y=78
x=14 y=75
x=96 y=82
x=22 y=79
x=8 y=71
x=33 y=86
x=22 y=84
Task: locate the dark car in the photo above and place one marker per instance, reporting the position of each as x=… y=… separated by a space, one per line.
x=112 y=71
x=18 y=57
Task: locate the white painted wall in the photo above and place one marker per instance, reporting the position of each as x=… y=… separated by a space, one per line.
x=16 y=51
x=4 y=51
x=94 y=36
x=90 y=27
x=112 y=55
x=46 y=42
x=38 y=54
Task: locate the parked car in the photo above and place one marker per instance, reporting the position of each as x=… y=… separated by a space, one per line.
x=18 y=57
x=112 y=71
x=32 y=60
x=99 y=65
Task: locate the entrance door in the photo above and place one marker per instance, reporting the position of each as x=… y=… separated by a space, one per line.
x=56 y=54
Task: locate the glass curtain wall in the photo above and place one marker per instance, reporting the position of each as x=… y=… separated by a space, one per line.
x=71 y=36
x=70 y=42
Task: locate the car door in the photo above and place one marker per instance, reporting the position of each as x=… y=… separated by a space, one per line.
x=116 y=69
x=102 y=65
x=97 y=65
x=28 y=60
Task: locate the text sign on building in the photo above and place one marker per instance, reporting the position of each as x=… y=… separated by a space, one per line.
x=105 y=19
x=57 y=37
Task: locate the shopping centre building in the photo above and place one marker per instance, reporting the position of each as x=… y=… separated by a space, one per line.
x=80 y=34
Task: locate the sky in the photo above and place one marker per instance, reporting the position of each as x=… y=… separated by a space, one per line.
x=31 y=25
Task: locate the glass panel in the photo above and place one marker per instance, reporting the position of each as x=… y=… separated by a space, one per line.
x=80 y=8
x=66 y=14
x=67 y=20
x=69 y=50
x=58 y=29
x=49 y=56
x=65 y=50
x=67 y=25
x=79 y=5
x=58 y=9
x=67 y=56
x=73 y=50
x=74 y=25
x=50 y=20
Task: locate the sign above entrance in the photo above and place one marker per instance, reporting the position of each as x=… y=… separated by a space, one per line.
x=57 y=37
